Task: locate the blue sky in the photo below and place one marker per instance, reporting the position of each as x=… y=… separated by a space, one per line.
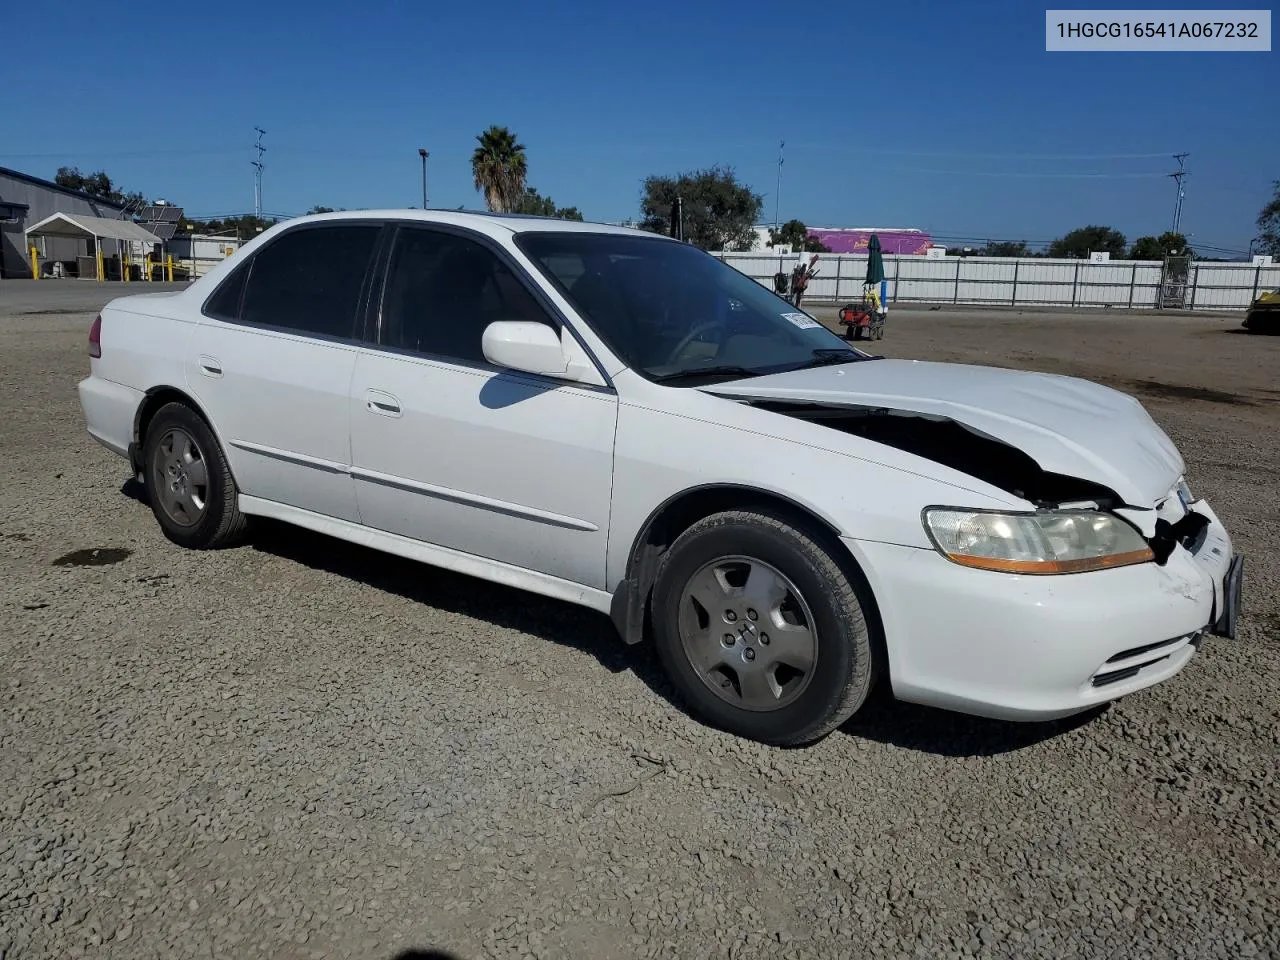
x=946 y=116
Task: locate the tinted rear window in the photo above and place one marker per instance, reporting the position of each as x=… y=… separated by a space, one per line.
x=310 y=279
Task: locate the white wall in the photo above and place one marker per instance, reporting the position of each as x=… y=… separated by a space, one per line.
x=210 y=251
x=1020 y=281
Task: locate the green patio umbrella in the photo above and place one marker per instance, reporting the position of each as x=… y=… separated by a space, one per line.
x=875 y=262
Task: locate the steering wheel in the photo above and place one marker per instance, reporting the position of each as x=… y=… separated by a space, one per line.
x=690 y=337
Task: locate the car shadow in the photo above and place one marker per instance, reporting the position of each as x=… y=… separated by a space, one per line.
x=567 y=624
x=136 y=491
x=944 y=733
x=506 y=389
x=882 y=719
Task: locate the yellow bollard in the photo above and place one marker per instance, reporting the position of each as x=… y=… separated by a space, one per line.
x=102 y=270
x=171 y=268
x=35 y=263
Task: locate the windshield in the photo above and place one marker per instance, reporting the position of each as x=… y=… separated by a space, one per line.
x=676 y=314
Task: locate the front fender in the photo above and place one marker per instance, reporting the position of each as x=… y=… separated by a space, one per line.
x=853 y=486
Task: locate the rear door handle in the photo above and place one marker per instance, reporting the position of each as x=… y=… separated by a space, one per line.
x=210 y=366
x=382 y=403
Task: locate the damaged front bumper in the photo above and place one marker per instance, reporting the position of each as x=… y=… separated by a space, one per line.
x=1042 y=647
x=1233 y=589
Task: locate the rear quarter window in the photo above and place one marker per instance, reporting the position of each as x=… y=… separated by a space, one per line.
x=224 y=304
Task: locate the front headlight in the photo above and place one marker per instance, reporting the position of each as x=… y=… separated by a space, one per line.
x=1185 y=494
x=1061 y=541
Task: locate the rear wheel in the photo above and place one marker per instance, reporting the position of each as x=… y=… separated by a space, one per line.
x=760 y=630
x=188 y=480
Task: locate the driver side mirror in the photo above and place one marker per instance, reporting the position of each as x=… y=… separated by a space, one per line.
x=525 y=345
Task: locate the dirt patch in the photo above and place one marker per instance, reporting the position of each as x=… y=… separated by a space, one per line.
x=1179 y=391
x=92 y=557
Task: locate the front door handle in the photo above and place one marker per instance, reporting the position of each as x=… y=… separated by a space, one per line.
x=382 y=403
x=210 y=366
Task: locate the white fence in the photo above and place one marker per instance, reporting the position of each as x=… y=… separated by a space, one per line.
x=1020 y=281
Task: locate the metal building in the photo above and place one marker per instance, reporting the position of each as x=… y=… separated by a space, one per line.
x=26 y=200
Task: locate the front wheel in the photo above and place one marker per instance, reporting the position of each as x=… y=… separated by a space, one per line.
x=760 y=630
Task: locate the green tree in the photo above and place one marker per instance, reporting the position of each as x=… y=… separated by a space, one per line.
x=319 y=209
x=795 y=234
x=718 y=210
x=534 y=203
x=96 y=184
x=245 y=227
x=1157 y=248
x=1082 y=241
x=499 y=167
x=1268 y=224
x=1007 y=248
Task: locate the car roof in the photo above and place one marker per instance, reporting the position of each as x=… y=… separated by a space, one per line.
x=480 y=220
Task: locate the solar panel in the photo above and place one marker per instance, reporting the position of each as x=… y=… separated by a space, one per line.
x=164 y=231
x=160 y=213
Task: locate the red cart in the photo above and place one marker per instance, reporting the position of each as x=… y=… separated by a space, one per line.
x=861 y=318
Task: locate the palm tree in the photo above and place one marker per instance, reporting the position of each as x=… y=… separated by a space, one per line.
x=499 y=167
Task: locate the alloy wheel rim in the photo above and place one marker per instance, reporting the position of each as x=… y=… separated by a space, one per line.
x=748 y=633
x=180 y=478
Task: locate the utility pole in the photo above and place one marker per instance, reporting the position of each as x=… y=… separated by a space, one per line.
x=777 y=193
x=424 y=154
x=257 y=176
x=1177 y=179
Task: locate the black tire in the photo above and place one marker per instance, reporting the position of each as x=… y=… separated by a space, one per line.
x=845 y=663
x=219 y=522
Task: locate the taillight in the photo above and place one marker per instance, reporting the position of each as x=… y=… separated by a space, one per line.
x=95 y=337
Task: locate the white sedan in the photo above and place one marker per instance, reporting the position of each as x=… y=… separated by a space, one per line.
x=619 y=420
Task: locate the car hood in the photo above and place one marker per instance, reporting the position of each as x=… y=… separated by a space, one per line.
x=1067 y=425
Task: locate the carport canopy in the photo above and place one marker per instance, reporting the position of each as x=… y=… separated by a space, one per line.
x=90 y=228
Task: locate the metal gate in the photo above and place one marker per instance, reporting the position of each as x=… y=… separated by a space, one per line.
x=1173 y=282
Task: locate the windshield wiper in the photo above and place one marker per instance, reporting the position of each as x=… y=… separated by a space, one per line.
x=826 y=356
x=725 y=370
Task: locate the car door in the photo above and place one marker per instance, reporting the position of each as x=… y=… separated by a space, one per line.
x=447 y=448
x=271 y=363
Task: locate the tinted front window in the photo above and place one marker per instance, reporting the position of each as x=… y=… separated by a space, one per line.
x=668 y=309
x=443 y=290
x=309 y=279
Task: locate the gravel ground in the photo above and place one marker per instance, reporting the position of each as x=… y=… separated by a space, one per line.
x=301 y=749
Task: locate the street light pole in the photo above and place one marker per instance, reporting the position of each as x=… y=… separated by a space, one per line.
x=777 y=193
x=423 y=154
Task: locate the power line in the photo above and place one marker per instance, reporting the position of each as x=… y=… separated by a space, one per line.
x=980 y=156
x=1001 y=173
x=120 y=154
